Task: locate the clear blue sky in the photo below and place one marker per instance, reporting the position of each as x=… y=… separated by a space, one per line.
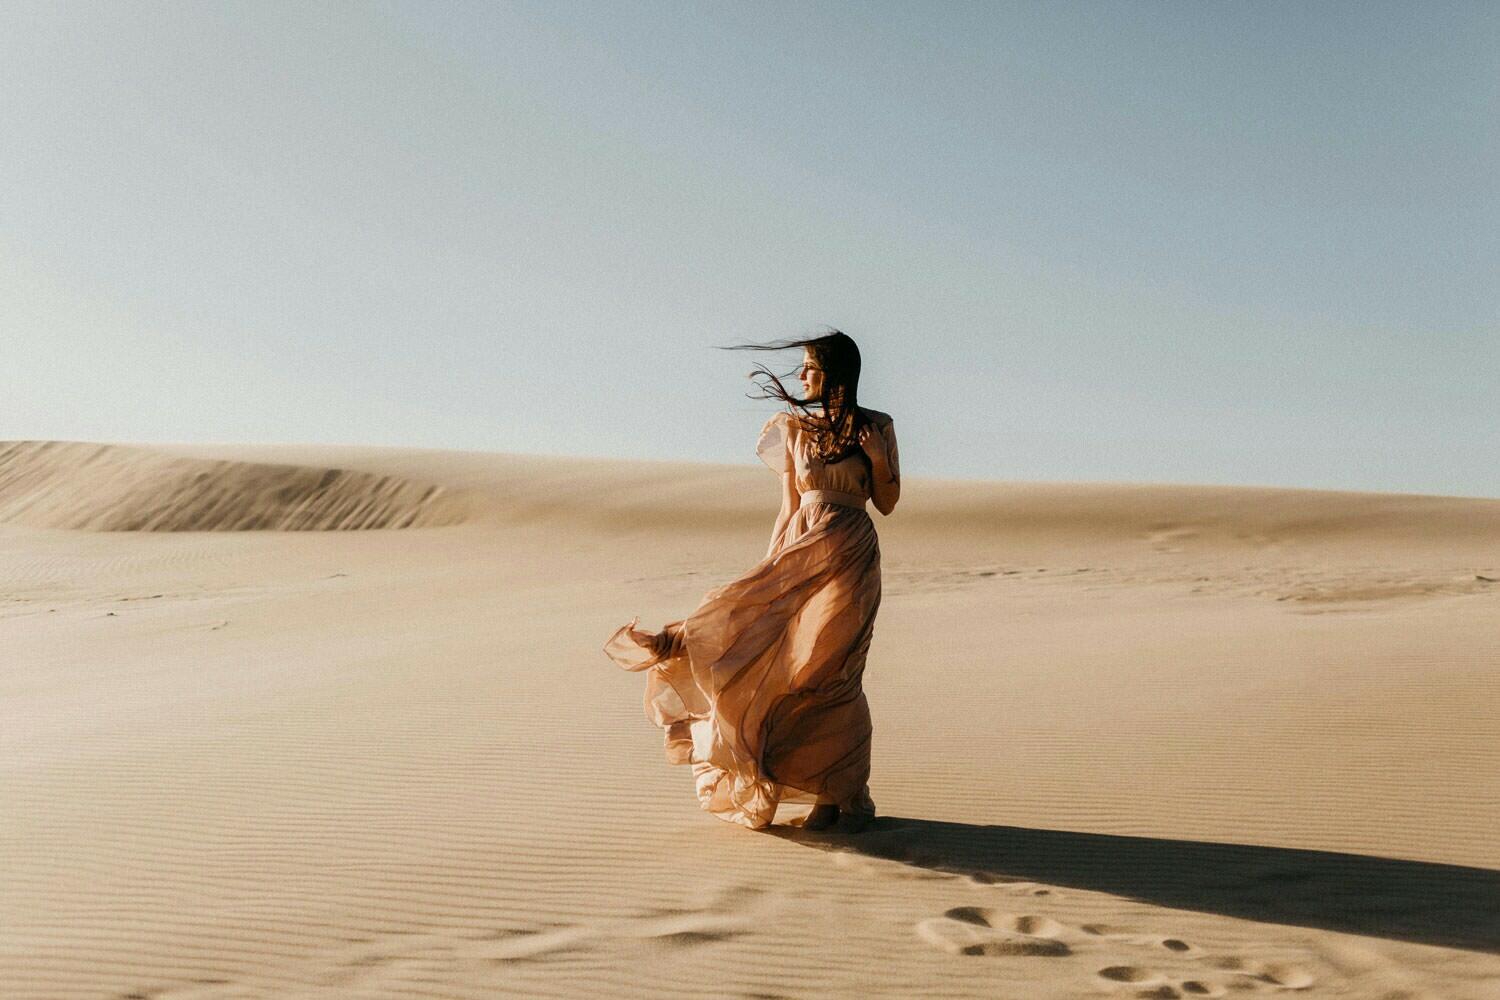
x=1249 y=243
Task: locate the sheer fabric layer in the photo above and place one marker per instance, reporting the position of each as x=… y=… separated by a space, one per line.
x=759 y=690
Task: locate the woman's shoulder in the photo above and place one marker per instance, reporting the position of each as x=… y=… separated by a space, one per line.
x=876 y=417
x=780 y=420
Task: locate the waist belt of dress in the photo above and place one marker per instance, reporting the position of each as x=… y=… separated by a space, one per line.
x=832 y=496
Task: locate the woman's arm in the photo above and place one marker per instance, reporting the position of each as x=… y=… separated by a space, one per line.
x=885 y=482
x=885 y=489
x=791 y=499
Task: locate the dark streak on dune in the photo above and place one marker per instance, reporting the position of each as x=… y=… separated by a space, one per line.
x=107 y=487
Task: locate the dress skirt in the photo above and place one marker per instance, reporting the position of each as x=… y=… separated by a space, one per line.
x=760 y=690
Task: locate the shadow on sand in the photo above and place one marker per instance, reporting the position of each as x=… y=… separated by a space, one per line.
x=1415 y=901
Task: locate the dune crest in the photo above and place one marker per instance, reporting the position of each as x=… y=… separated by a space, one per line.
x=107 y=487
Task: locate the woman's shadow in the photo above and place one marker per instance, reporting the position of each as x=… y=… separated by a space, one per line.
x=1416 y=901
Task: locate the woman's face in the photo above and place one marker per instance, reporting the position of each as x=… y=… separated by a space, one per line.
x=812 y=376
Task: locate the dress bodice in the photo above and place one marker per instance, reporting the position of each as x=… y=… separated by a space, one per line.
x=785 y=445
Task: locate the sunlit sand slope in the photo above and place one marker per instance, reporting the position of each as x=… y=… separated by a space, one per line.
x=1131 y=741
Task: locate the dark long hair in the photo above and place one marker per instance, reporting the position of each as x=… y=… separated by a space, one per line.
x=835 y=431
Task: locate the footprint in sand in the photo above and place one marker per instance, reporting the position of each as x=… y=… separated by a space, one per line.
x=978 y=930
x=1277 y=975
x=1146 y=982
x=1150 y=983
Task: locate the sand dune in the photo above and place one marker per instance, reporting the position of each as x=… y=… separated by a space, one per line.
x=1131 y=740
x=67 y=484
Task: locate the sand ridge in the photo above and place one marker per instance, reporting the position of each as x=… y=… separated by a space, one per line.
x=67 y=484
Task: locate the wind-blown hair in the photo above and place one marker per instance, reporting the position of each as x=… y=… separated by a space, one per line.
x=835 y=431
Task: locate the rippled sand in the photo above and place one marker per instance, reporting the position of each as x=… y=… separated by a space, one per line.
x=1134 y=741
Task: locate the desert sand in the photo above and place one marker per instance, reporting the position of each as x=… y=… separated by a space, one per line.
x=1130 y=740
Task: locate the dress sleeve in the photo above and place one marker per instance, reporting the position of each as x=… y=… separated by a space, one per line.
x=773 y=446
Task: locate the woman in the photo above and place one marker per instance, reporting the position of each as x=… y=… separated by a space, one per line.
x=759 y=689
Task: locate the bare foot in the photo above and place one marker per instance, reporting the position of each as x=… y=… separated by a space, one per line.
x=824 y=815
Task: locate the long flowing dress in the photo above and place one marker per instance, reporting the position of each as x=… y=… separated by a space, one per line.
x=760 y=687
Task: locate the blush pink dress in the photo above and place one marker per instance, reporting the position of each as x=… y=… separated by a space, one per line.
x=760 y=690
